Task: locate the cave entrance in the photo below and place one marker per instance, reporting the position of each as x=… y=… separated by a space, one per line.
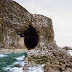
x=31 y=37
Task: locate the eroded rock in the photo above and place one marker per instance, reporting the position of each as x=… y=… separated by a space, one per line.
x=9 y=39
x=16 y=20
x=14 y=16
x=44 y=28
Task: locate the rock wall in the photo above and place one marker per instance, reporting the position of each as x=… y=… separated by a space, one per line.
x=18 y=26
x=16 y=19
x=44 y=28
x=9 y=39
x=14 y=16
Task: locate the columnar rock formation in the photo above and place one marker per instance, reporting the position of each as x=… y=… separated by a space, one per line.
x=36 y=32
x=16 y=19
x=44 y=28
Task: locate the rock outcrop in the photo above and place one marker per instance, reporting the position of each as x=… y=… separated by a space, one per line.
x=44 y=28
x=14 y=19
x=47 y=52
x=14 y=16
x=19 y=27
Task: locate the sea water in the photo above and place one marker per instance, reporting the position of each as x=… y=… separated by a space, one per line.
x=14 y=62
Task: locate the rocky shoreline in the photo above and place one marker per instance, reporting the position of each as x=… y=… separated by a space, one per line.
x=12 y=50
x=21 y=29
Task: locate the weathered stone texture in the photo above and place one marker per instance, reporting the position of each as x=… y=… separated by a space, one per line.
x=15 y=20
x=12 y=15
x=10 y=39
x=15 y=17
x=44 y=27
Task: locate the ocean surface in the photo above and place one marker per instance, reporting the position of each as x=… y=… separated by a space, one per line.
x=14 y=62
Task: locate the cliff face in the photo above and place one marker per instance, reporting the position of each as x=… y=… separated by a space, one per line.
x=14 y=16
x=15 y=20
x=19 y=27
x=44 y=27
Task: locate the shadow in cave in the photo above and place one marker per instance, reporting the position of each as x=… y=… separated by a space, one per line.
x=31 y=37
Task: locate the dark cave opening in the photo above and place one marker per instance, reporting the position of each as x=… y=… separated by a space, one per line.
x=31 y=37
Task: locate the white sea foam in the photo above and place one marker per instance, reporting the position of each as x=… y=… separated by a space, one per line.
x=70 y=51
x=36 y=69
x=16 y=69
x=2 y=55
x=21 y=63
x=20 y=58
x=20 y=69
